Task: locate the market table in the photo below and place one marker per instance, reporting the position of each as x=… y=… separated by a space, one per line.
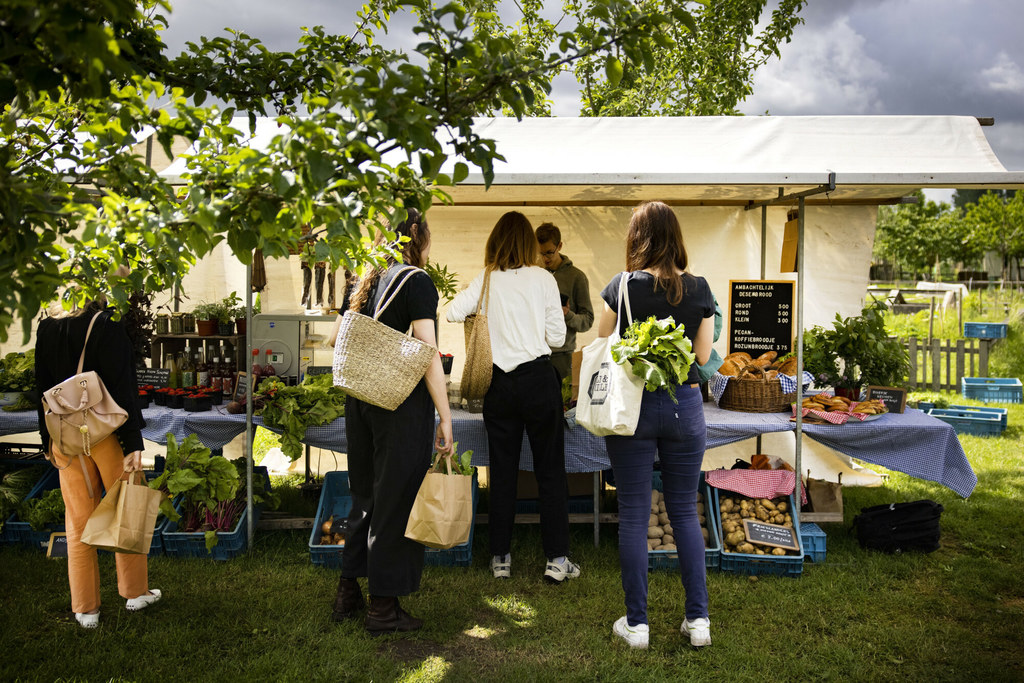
x=913 y=442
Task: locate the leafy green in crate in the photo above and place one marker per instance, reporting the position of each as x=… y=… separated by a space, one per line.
x=43 y=511
x=294 y=409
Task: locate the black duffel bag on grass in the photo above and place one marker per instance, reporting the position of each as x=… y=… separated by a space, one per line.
x=898 y=527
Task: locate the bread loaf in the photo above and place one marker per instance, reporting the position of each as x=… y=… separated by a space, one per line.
x=768 y=356
x=741 y=358
x=730 y=368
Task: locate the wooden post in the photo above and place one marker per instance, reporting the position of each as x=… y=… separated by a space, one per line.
x=936 y=364
x=912 y=352
x=931 y=319
x=983 y=357
x=959 y=363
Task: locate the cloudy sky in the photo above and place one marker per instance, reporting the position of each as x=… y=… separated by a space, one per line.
x=963 y=57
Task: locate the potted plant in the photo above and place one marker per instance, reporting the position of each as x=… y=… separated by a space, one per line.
x=207 y=316
x=18 y=380
x=231 y=310
x=855 y=353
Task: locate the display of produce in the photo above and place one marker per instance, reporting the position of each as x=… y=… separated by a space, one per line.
x=826 y=403
x=659 y=529
x=657 y=351
x=733 y=509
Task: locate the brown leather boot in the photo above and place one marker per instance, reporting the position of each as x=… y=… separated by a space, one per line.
x=348 y=601
x=385 y=615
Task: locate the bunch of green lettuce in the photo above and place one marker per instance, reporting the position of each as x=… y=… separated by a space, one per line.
x=658 y=352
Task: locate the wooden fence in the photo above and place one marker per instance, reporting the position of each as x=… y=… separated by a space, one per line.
x=941 y=364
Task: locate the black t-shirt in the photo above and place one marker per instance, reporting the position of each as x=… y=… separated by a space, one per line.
x=697 y=303
x=416 y=300
x=58 y=347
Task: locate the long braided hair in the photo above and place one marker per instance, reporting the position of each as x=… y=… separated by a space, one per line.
x=415 y=228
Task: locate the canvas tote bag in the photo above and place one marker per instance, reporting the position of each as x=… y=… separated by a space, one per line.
x=610 y=394
x=442 y=514
x=376 y=363
x=124 y=520
x=476 y=375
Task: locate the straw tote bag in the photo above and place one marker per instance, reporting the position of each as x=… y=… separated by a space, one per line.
x=476 y=375
x=610 y=394
x=376 y=363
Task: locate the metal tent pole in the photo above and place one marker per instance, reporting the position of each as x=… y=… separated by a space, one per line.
x=248 y=405
x=798 y=452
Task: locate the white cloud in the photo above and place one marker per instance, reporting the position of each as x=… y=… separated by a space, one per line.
x=1004 y=76
x=828 y=71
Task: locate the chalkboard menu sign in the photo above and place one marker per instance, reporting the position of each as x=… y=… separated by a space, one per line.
x=319 y=370
x=774 y=535
x=894 y=398
x=241 y=387
x=158 y=377
x=761 y=316
x=57 y=546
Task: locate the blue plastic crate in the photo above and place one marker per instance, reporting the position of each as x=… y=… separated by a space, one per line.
x=335 y=501
x=14 y=463
x=995 y=389
x=19 y=532
x=985 y=330
x=1002 y=413
x=461 y=555
x=814 y=541
x=230 y=544
x=746 y=563
x=668 y=559
x=970 y=422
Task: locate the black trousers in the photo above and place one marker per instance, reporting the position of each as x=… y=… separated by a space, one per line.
x=529 y=398
x=388 y=455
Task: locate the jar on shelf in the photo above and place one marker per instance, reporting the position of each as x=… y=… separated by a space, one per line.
x=188 y=323
x=177 y=323
x=163 y=323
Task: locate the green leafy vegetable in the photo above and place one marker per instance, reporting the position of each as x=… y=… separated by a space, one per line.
x=15 y=483
x=292 y=410
x=658 y=352
x=461 y=463
x=18 y=371
x=41 y=512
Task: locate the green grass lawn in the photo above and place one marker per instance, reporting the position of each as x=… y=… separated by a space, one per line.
x=956 y=614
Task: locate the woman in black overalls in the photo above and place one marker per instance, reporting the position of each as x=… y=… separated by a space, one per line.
x=389 y=451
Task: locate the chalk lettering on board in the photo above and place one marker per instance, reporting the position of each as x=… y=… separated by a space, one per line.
x=57 y=545
x=760 y=316
x=894 y=398
x=774 y=535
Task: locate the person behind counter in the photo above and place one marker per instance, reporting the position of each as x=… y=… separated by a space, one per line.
x=659 y=285
x=574 y=290
x=59 y=341
x=389 y=451
x=525 y=321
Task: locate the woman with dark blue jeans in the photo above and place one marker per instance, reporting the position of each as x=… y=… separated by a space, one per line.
x=658 y=285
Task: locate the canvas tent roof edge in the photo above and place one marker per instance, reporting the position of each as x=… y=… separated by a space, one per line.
x=723 y=160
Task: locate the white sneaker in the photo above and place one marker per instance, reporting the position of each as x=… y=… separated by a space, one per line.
x=143 y=601
x=699 y=631
x=637 y=636
x=558 y=572
x=501 y=567
x=87 y=620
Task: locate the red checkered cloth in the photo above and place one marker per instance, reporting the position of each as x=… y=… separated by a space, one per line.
x=755 y=483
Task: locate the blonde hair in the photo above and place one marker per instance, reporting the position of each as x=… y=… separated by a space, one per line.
x=511 y=244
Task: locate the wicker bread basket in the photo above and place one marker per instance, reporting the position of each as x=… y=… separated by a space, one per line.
x=757 y=395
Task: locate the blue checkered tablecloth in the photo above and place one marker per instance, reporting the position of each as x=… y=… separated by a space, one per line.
x=915 y=443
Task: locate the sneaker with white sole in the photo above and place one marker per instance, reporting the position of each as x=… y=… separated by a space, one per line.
x=699 y=631
x=501 y=566
x=636 y=636
x=87 y=620
x=556 y=572
x=143 y=601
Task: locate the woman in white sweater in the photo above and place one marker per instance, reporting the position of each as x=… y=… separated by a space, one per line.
x=525 y=320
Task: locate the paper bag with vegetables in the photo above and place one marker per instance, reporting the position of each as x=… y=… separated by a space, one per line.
x=442 y=514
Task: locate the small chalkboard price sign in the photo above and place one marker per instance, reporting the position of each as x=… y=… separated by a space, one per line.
x=774 y=535
x=894 y=398
x=761 y=316
x=158 y=377
x=241 y=387
x=58 y=545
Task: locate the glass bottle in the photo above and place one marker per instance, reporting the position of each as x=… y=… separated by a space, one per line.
x=172 y=367
x=268 y=368
x=202 y=370
x=216 y=379
x=227 y=372
x=188 y=371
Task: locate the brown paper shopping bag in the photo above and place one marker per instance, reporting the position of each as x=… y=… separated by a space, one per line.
x=124 y=520
x=442 y=514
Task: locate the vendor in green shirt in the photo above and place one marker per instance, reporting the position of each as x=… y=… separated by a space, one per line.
x=575 y=292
